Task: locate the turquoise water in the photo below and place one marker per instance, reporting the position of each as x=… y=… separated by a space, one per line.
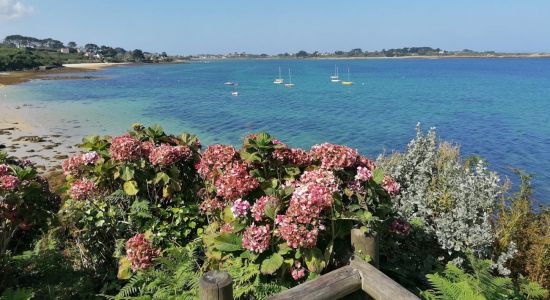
x=496 y=108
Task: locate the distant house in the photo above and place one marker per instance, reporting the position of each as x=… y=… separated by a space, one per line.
x=65 y=50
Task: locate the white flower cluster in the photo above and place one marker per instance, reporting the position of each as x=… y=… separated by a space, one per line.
x=454 y=202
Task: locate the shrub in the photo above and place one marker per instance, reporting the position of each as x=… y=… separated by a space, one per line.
x=143 y=182
x=26 y=205
x=279 y=212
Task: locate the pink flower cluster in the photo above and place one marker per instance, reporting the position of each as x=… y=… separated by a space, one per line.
x=74 y=164
x=240 y=208
x=400 y=227
x=363 y=174
x=258 y=210
x=82 y=189
x=4 y=169
x=226 y=228
x=125 y=148
x=235 y=181
x=334 y=156
x=9 y=182
x=140 y=252
x=256 y=238
x=210 y=206
x=390 y=185
x=214 y=159
x=293 y=156
x=297 y=271
x=165 y=155
x=300 y=225
x=365 y=162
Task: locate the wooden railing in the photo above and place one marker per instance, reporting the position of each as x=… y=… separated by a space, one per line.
x=357 y=276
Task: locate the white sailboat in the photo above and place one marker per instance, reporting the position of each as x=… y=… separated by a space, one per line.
x=289 y=84
x=335 y=77
x=280 y=79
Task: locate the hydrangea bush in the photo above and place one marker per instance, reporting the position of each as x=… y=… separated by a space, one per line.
x=281 y=209
x=26 y=204
x=141 y=182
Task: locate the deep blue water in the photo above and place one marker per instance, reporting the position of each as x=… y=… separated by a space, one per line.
x=496 y=108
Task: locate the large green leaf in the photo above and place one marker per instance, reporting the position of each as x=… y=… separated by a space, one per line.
x=314 y=260
x=127 y=173
x=271 y=264
x=228 y=242
x=131 y=188
x=124 y=268
x=378 y=175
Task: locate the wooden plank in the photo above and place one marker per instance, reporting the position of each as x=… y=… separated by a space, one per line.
x=216 y=285
x=333 y=285
x=378 y=285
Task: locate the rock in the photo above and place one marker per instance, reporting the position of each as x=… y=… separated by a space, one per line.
x=31 y=138
x=61 y=156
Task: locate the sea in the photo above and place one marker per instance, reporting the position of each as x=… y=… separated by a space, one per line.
x=498 y=109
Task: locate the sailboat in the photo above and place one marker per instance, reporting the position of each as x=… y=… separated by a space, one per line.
x=347 y=82
x=280 y=79
x=289 y=84
x=335 y=78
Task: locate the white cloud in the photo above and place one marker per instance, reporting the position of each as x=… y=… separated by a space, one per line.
x=12 y=9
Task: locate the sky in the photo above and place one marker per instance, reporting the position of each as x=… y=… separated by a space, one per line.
x=258 y=26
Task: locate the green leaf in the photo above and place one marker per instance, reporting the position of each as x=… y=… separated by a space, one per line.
x=124 y=268
x=378 y=175
x=314 y=260
x=161 y=176
x=271 y=264
x=127 y=173
x=228 y=242
x=131 y=188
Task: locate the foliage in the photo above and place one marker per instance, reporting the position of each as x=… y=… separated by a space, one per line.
x=177 y=276
x=518 y=222
x=275 y=212
x=26 y=205
x=477 y=282
x=142 y=182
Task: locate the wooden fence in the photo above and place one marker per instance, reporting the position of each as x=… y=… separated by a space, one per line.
x=357 y=276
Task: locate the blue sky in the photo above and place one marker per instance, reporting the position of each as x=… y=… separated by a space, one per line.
x=256 y=26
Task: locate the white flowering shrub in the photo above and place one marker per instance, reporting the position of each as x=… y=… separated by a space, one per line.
x=452 y=200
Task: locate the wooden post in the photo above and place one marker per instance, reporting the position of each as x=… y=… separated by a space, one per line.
x=216 y=285
x=366 y=244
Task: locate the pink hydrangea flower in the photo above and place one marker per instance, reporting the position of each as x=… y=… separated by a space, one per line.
x=146 y=148
x=334 y=156
x=400 y=227
x=258 y=210
x=235 y=182
x=73 y=165
x=82 y=189
x=356 y=186
x=9 y=182
x=4 y=169
x=297 y=271
x=165 y=155
x=256 y=238
x=226 y=228
x=365 y=162
x=390 y=185
x=215 y=159
x=322 y=177
x=294 y=156
x=210 y=206
x=125 y=148
x=363 y=174
x=240 y=208
x=140 y=252
x=296 y=235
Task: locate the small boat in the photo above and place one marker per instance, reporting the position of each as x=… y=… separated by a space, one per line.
x=279 y=80
x=347 y=82
x=229 y=83
x=289 y=84
x=335 y=78
x=234 y=93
